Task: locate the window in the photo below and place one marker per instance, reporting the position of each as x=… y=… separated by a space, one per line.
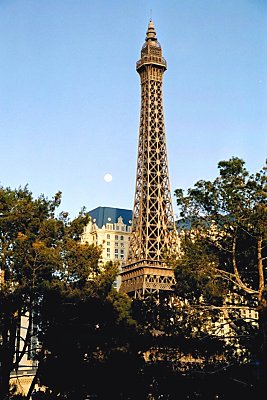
x=108 y=236
x=116 y=251
x=108 y=243
x=116 y=237
x=122 y=237
x=108 y=250
x=122 y=245
x=116 y=256
x=122 y=256
x=116 y=244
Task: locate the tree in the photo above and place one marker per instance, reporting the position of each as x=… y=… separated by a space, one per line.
x=89 y=338
x=81 y=328
x=224 y=252
x=36 y=249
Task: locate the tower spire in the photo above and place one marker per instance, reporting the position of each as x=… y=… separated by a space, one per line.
x=151 y=33
x=153 y=230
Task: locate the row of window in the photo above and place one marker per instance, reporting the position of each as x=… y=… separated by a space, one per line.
x=118 y=228
x=116 y=244
x=117 y=256
x=116 y=251
x=117 y=237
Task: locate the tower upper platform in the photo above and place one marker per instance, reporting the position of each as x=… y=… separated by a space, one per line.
x=151 y=53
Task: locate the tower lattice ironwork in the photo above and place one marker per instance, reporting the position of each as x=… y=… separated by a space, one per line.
x=154 y=235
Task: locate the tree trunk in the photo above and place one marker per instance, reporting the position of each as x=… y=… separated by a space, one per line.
x=262 y=319
x=4 y=383
x=260 y=271
x=6 y=367
x=262 y=350
x=36 y=376
x=8 y=348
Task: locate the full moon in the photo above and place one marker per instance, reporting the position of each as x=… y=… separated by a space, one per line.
x=108 y=177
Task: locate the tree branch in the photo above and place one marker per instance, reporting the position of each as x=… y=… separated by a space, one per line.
x=236 y=273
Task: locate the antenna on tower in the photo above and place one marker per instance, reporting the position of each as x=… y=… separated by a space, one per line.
x=150 y=14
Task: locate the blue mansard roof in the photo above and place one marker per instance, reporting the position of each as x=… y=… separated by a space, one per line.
x=109 y=215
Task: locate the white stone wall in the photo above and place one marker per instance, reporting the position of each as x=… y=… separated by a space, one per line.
x=114 y=239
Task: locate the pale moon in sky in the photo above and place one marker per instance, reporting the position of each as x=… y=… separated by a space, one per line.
x=108 y=178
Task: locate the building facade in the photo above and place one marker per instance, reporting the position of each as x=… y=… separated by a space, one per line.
x=110 y=228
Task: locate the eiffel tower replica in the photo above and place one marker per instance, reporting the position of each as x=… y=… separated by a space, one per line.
x=154 y=236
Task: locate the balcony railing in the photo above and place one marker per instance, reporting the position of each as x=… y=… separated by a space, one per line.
x=151 y=60
x=146 y=263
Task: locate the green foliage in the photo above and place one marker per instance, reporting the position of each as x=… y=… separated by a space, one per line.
x=38 y=252
x=223 y=258
x=228 y=219
x=93 y=334
x=89 y=336
x=196 y=272
x=85 y=329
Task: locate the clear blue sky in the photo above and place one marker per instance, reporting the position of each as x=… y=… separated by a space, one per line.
x=70 y=95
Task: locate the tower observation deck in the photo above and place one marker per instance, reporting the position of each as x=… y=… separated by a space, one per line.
x=154 y=236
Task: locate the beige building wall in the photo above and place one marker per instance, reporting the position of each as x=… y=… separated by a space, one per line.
x=113 y=238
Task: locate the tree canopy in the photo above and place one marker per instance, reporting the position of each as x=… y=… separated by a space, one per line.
x=75 y=325
x=222 y=267
x=29 y=256
x=90 y=340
